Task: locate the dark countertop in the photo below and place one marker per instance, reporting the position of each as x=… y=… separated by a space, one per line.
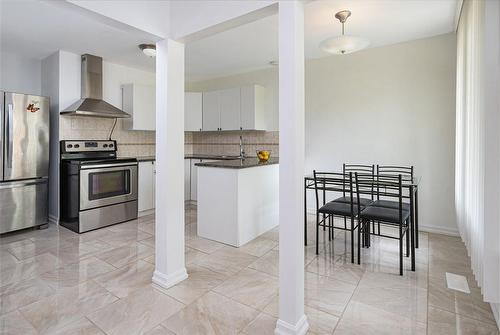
x=146 y=158
x=239 y=163
x=216 y=157
x=190 y=156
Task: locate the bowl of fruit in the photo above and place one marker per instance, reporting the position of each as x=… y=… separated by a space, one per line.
x=263 y=155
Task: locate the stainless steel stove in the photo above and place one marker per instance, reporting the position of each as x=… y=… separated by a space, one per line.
x=98 y=189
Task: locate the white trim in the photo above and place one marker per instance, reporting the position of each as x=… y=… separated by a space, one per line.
x=146 y=212
x=439 y=230
x=167 y=281
x=458 y=12
x=495 y=308
x=284 y=328
x=53 y=219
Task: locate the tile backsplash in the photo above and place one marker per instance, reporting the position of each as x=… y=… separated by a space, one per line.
x=227 y=143
x=130 y=143
x=134 y=143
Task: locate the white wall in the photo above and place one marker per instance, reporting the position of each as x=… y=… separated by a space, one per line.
x=389 y=105
x=266 y=78
x=114 y=75
x=20 y=74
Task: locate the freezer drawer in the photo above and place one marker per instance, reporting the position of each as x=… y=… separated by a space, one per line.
x=23 y=204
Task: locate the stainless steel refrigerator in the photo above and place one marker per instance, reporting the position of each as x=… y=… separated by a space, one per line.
x=24 y=161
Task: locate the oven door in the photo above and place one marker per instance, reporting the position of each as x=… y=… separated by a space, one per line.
x=107 y=184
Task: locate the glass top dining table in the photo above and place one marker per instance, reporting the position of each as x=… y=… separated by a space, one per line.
x=411 y=183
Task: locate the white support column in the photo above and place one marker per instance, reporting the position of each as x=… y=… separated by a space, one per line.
x=169 y=243
x=292 y=319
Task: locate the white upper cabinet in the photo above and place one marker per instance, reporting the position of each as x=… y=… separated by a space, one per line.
x=193 y=111
x=229 y=101
x=235 y=109
x=211 y=111
x=139 y=101
x=252 y=108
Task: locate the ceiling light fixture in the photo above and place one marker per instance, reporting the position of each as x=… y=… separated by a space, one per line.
x=148 y=49
x=343 y=44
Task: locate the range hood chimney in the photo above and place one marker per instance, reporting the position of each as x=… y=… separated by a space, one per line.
x=91 y=103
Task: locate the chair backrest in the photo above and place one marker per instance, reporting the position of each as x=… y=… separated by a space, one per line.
x=392 y=186
x=361 y=169
x=406 y=173
x=332 y=182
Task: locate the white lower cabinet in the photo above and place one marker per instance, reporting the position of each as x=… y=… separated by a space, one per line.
x=187 y=179
x=146 y=186
x=193 y=177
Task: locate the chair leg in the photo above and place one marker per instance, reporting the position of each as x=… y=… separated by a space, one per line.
x=352 y=239
x=317 y=233
x=328 y=219
x=412 y=239
x=407 y=233
x=331 y=227
x=359 y=242
x=400 y=249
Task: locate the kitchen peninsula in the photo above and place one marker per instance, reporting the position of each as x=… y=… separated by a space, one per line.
x=237 y=199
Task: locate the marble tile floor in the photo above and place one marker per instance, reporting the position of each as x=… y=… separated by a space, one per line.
x=54 y=281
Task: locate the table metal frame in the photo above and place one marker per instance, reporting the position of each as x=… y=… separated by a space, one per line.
x=413 y=193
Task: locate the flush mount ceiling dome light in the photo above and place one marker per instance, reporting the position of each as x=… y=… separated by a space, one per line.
x=148 y=49
x=343 y=44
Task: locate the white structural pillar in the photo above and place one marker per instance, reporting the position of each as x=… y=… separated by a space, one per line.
x=170 y=268
x=292 y=319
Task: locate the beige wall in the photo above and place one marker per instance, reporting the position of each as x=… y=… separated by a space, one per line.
x=387 y=105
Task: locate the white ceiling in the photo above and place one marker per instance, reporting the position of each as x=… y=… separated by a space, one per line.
x=383 y=22
x=38 y=28
x=35 y=29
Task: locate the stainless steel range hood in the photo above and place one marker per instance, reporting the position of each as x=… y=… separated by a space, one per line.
x=91 y=103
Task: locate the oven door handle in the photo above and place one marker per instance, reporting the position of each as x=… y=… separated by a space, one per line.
x=100 y=166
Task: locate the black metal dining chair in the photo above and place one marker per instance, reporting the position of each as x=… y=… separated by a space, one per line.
x=363 y=169
x=336 y=183
x=406 y=173
x=389 y=187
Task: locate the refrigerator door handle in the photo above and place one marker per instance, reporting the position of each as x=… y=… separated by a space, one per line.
x=23 y=183
x=9 y=135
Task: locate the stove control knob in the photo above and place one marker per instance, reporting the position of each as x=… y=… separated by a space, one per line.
x=77 y=145
x=105 y=145
x=111 y=145
x=70 y=146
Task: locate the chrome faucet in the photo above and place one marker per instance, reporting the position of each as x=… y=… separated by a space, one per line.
x=242 y=151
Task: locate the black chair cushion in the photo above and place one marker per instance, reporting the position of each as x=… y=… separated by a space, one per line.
x=385 y=214
x=390 y=204
x=363 y=201
x=338 y=208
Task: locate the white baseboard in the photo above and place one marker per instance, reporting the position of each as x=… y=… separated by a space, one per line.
x=439 y=230
x=146 y=212
x=166 y=281
x=428 y=229
x=495 y=308
x=285 y=328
